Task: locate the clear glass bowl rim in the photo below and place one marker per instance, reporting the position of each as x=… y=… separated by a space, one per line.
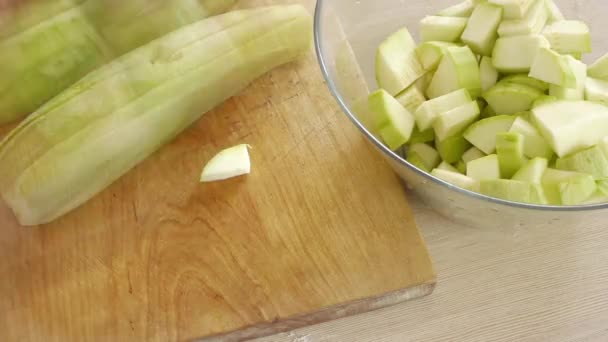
x=318 y=22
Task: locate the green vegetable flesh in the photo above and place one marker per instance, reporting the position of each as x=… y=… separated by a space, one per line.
x=394 y=123
x=510 y=151
x=533 y=21
x=427 y=113
x=456 y=179
x=517 y=54
x=97 y=130
x=482 y=134
x=513 y=190
x=534 y=143
x=480 y=33
x=458 y=69
x=397 y=66
x=532 y=171
x=445 y=29
x=486 y=168
x=423 y=156
x=571 y=126
x=511 y=98
x=591 y=161
x=452 y=148
x=455 y=121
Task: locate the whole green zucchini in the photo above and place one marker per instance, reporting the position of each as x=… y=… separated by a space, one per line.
x=98 y=129
x=42 y=55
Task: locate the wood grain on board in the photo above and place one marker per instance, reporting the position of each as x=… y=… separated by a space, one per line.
x=321 y=229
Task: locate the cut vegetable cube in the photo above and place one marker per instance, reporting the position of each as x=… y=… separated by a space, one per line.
x=596 y=90
x=452 y=148
x=602 y=187
x=423 y=156
x=431 y=109
x=534 y=143
x=456 y=120
x=513 y=9
x=532 y=171
x=599 y=69
x=575 y=93
x=397 y=65
x=510 y=152
x=485 y=168
x=555 y=14
x=458 y=69
x=566 y=187
x=571 y=126
x=447 y=167
x=591 y=161
x=551 y=67
x=430 y=53
x=597 y=198
x=422 y=137
x=462 y=9
x=487 y=73
x=229 y=163
x=569 y=36
x=545 y=99
x=411 y=98
x=513 y=190
x=576 y=191
x=532 y=23
x=461 y=166
x=457 y=179
x=480 y=32
x=472 y=154
x=445 y=29
x=395 y=124
x=517 y=54
x=526 y=80
x=511 y=98
x=482 y=134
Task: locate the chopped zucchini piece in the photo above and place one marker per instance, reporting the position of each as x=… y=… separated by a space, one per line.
x=591 y=161
x=472 y=154
x=571 y=126
x=455 y=121
x=532 y=171
x=394 y=123
x=485 y=168
x=532 y=23
x=510 y=152
x=458 y=69
x=482 y=134
x=456 y=179
x=480 y=32
x=397 y=66
x=444 y=29
x=513 y=190
x=511 y=98
x=575 y=93
x=534 y=143
x=423 y=156
x=430 y=53
x=452 y=148
x=431 y=109
x=551 y=67
x=516 y=54
x=487 y=73
x=569 y=36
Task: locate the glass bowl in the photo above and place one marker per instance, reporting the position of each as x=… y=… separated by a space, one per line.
x=347 y=33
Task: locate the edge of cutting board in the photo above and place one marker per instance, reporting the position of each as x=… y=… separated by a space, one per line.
x=325 y=315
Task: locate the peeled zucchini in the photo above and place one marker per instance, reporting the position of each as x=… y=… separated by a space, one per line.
x=98 y=129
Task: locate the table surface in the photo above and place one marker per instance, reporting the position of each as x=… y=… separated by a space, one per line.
x=494 y=284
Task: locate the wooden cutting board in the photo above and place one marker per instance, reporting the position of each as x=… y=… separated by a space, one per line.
x=321 y=229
